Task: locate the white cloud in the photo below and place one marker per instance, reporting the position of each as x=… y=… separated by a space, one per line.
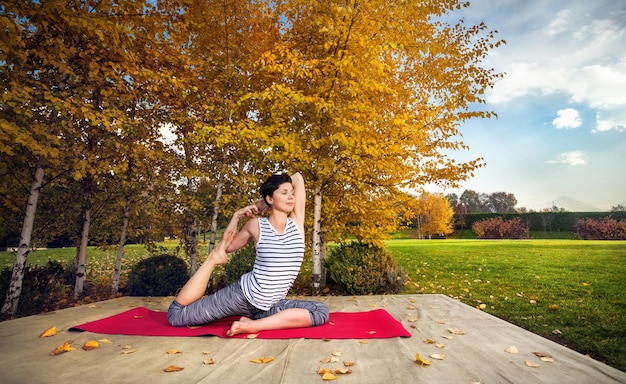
x=568 y=118
x=571 y=52
x=570 y=158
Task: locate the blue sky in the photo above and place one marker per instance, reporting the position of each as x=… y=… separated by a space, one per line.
x=561 y=127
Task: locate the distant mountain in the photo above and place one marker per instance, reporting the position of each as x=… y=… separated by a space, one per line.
x=571 y=205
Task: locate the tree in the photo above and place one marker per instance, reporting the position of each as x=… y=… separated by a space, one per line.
x=502 y=202
x=434 y=215
x=365 y=97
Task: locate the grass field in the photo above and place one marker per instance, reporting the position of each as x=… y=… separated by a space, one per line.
x=570 y=291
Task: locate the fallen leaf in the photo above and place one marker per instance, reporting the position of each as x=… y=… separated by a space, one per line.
x=533 y=301
x=207 y=352
x=343 y=371
x=105 y=341
x=173 y=351
x=547 y=359
x=441 y=321
x=437 y=356
x=348 y=363
x=334 y=359
x=482 y=306
x=336 y=353
x=127 y=346
x=328 y=376
x=422 y=362
x=511 y=349
x=91 y=344
x=193 y=326
x=49 y=332
x=554 y=306
x=325 y=361
x=412 y=320
x=456 y=331
x=65 y=347
x=208 y=362
x=585 y=284
x=263 y=360
x=440 y=345
x=541 y=354
x=322 y=371
x=557 y=332
x=531 y=364
x=128 y=351
x=93 y=306
x=410 y=307
x=447 y=337
x=252 y=336
x=364 y=342
x=173 y=368
x=429 y=341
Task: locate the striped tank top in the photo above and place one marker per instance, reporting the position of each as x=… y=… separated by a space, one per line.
x=277 y=264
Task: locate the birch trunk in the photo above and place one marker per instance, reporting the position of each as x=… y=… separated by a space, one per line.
x=82 y=254
x=216 y=211
x=120 y=248
x=15 y=287
x=317 y=272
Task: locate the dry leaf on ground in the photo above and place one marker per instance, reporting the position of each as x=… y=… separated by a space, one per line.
x=511 y=349
x=208 y=362
x=328 y=376
x=65 y=347
x=49 y=332
x=541 y=354
x=422 y=362
x=336 y=353
x=173 y=368
x=437 y=356
x=91 y=344
x=456 y=331
x=429 y=341
x=173 y=351
x=263 y=360
x=105 y=341
x=531 y=364
x=348 y=363
x=343 y=371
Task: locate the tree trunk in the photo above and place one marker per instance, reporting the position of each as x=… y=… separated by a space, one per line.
x=82 y=253
x=193 y=247
x=317 y=272
x=216 y=211
x=120 y=248
x=15 y=287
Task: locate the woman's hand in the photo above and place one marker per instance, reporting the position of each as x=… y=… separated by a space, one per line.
x=261 y=206
x=250 y=211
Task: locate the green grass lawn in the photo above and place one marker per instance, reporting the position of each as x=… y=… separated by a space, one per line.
x=571 y=286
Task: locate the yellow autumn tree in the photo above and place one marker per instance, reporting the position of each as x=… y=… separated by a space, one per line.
x=366 y=97
x=433 y=216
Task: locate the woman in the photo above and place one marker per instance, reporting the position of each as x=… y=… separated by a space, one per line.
x=259 y=296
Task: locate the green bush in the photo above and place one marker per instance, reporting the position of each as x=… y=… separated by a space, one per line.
x=43 y=287
x=362 y=269
x=240 y=263
x=161 y=275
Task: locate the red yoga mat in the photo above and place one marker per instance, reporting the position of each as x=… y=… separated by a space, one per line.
x=140 y=321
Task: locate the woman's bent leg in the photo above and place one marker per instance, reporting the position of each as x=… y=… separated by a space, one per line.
x=229 y=301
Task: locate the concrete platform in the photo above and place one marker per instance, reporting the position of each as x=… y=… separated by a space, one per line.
x=478 y=356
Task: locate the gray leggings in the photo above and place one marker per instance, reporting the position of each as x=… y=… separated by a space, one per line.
x=231 y=301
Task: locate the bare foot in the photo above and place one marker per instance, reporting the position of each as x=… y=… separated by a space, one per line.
x=219 y=255
x=243 y=325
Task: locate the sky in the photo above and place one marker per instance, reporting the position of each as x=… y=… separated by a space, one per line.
x=561 y=126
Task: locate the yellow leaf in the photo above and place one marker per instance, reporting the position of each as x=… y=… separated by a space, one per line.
x=263 y=360
x=437 y=356
x=208 y=362
x=336 y=353
x=422 y=362
x=91 y=344
x=364 y=342
x=173 y=351
x=49 y=332
x=105 y=341
x=429 y=341
x=328 y=376
x=65 y=347
x=343 y=371
x=348 y=363
x=173 y=368
x=456 y=331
